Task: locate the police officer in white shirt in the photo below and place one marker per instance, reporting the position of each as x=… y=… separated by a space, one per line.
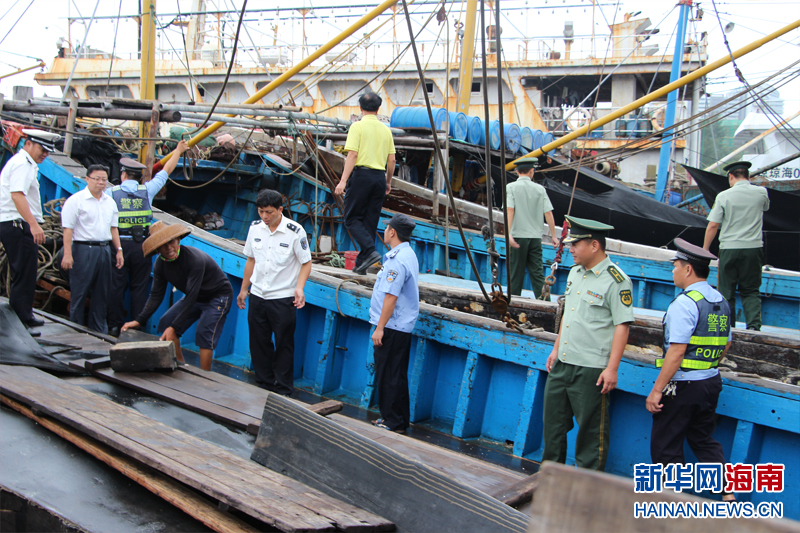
x=277 y=268
x=90 y=219
x=20 y=215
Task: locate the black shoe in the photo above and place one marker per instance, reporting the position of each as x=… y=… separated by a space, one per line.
x=34 y=322
x=114 y=332
x=371 y=259
x=34 y=333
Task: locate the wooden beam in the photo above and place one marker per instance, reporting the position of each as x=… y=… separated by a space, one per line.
x=518 y=493
x=261 y=493
x=171 y=491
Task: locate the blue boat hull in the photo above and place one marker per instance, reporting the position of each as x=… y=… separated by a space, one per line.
x=470 y=376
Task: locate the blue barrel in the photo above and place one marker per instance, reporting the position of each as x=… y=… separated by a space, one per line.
x=538 y=139
x=512 y=136
x=476 y=134
x=494 y=134
x=639 y=127
x=458 y=126
x=526 y=140
x=548 y=138
x=417 y=117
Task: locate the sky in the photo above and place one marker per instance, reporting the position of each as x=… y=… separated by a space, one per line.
x=29 y=29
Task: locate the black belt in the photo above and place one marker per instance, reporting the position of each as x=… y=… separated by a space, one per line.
x=92 y=243
x=370 y=168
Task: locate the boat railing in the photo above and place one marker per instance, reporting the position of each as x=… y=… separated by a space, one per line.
x=582 y=48
x=564 y=119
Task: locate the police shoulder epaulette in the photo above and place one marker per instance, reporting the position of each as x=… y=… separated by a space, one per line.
x=616 y=274
x=293 y=227
x=256 y=223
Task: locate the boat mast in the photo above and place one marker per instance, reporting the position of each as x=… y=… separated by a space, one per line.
x=274 y=84
x=672 y=101
x=467 y=58
x=195 y=32
x=147 y=87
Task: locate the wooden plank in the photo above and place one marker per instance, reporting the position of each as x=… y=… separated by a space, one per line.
x=197 y=389
x=329 y=457
x=149 y=384
x=184 y=499
x=574 y=499
x=518 y=493
x=59 y=291
x=275 y=499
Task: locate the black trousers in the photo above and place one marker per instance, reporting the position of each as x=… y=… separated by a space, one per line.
x=136 y=271
x=363 y=201
x=272 y=364
x=391 y=377
x=690 y=415
x=90 y=275
x=23 y=261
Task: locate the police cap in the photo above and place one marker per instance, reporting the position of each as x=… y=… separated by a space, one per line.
x=692 y=253
x=583 y=228
x=45 y=139
x=403 y=225
x=131 y=166
x=744 y=165
x=525 y=164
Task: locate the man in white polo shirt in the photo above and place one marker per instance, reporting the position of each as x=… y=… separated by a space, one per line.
x=90 y=219
x=20 y=215
x=277 y=268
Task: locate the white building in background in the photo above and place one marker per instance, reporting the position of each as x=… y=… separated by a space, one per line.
x=779 y=144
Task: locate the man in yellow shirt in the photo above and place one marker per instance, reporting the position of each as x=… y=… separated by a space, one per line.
x=370 y=164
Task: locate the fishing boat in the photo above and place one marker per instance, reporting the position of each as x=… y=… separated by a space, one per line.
x=471 y=376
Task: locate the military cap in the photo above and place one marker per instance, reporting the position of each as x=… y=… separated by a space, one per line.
x=45 y=139
x=524 y=164
x=583 y=228
x=744 y=165
x=131 y=166
x=403 y=225
x=691 y=253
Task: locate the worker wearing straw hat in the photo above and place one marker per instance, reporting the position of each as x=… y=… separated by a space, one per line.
x=208 y=292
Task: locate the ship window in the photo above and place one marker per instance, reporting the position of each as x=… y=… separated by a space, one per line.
x=429 y=87
x=476 y=86
x=172 y=92
x=111 y=91
x=201 y=91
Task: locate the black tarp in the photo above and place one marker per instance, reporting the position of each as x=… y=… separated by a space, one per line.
x=90 y=151
x=17 y=347
x=781 y=221
x=636 y=217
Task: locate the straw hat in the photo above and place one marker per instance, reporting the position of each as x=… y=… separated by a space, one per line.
x=161 y=234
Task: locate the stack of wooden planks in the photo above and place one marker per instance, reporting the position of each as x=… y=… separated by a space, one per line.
x=169 y=458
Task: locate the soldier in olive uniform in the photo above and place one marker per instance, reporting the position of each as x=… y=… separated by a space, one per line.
x=738 y=214
x=583 y=364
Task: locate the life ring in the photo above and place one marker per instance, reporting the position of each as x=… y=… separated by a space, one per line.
x=658 y=118
x=579 y=117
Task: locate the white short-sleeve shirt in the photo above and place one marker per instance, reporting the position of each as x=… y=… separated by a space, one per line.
x=278 y=255
x=20 y=175
x=90 y=219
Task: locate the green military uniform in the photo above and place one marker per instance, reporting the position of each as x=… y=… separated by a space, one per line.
x=596 y=300
x=740 y=212
x=530 y=202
